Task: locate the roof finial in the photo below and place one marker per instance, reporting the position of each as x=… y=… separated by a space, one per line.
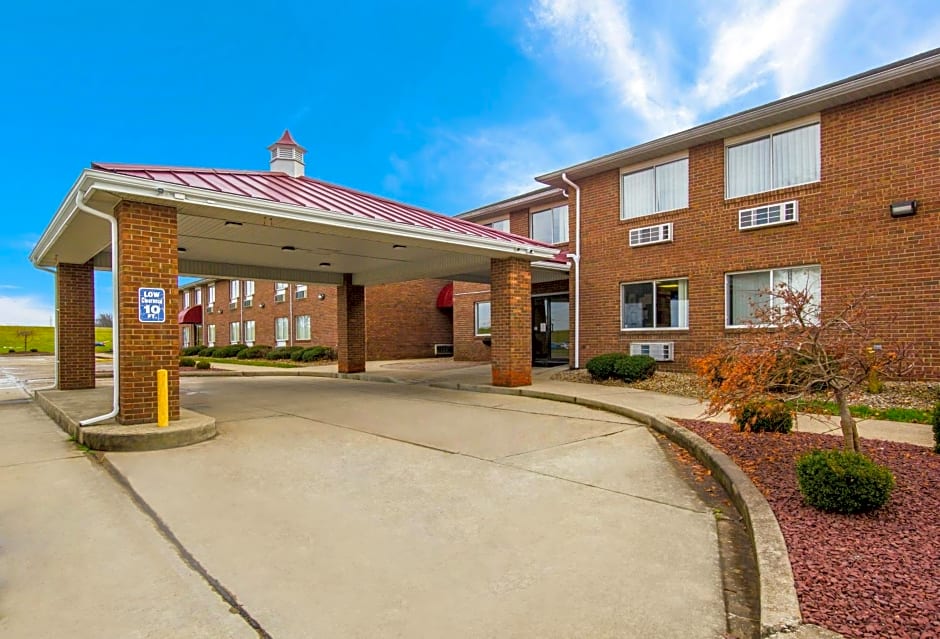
x=287 y=156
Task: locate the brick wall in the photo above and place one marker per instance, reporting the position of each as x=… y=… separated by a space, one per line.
x=403 y=321
x=147 y=257
x=875 y=151
x=511 y=318
x=351 y=326
x=75 y=325
x=468 y=346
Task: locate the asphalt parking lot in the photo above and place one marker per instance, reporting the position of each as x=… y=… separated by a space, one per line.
x=338 y=508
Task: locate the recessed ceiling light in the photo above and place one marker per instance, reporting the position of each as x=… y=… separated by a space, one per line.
x=180 y=249
x=231 y=223
x=325 y=264
x=288 y=248
x=398 y=247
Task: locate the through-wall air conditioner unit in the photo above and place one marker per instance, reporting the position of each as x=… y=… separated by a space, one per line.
x=656 y=234
x=770 y=215
x=443 y=350
x=247 y=303
x=233 y=305
x=660 y=351
x=300 y=295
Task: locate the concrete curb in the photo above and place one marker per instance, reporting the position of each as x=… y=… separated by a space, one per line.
x=191 y=428
x=779 y=606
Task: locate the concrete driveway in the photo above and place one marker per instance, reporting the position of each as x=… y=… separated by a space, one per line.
x=337 y=508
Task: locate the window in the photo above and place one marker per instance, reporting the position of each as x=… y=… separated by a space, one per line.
x=210 y=293
x=249 y=288
x=186 y=299
x=233 y=287
x=210 y=334
x=198 y=292
x=747 y=291
x=481 y=319
x=300 y=291
x=302 y=327
x=550 y=226
x=281 y=329
x=664 y=187
x=250 y=331
x=280 y=291
x=234 y=333
x=773 y=162
x=500 y=225
x=655 y=305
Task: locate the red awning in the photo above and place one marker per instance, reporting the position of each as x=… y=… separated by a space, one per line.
x=445 y=299
x=192 y=315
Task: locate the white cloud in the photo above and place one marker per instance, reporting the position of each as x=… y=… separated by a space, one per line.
x=781 y=40
x=24 y=311
x=600 y=32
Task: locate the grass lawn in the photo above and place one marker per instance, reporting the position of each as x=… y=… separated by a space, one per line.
x=43 y=339
x=247 y=362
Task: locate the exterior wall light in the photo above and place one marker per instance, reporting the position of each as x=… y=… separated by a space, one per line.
x=904 y=208
x=321 y=296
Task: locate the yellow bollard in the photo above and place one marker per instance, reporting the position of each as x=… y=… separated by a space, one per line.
x=163 y=399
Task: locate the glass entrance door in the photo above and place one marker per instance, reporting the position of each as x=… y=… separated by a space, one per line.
x=550 y=334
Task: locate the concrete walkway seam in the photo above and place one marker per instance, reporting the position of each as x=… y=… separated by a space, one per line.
x=191 y=562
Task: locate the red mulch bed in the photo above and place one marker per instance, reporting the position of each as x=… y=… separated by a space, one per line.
x=871 y=575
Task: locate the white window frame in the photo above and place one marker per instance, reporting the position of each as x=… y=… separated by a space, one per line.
x=210 y=295
x=198 y=295
x=476 y=319
x=300 y=291
x=769 y=133
x=770 y=283
x=500 y=223
x=250 y=332
x=652 y=166
x=210 y=335
x=683 y=310
x=234 y=332
x=286 y=324
x=298 y=333
x=186 y=298
x=234 y=289
x=551 y=210
x=280 y=292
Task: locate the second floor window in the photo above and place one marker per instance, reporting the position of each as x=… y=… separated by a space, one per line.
x=280 y=291
x=500 y=225
x=234 y=287
x=550 y=226
x=249 y=289
x=198 y=296
x=664 y=187
x=775 y=161
x=185 y=299
x=210 y=293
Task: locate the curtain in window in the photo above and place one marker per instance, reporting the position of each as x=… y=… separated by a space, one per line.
x=542 y=226
x=302 y=327
x=748 y=168
x=796 y=156
x=639 y=194
x=280 y=329
x=559 y=224
x=745 y=291
x=672 y=186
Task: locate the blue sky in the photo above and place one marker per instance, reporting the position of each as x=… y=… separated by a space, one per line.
x=446 y=105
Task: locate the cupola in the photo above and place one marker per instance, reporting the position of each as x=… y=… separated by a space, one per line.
x=287 y=156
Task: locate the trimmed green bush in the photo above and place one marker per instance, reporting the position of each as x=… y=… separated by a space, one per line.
x=316 y=353
x=206 y=351
x=11 y=350
x=936 y=428
x=34 y=350
x=232 y=350
x=257 y=351
x=602 y=366
x=191 y=350
x=765 y=416
x=843 y=482
x=281 y=352
x=203 y=365
x=633 y=368
x=187 y=361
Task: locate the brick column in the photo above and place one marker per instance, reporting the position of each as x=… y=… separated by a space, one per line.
x=75 y=325
x=147 y=257
x=351 y=326
x=511 y=321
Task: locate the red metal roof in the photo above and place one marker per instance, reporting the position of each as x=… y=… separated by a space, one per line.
x=311 y=193
x=286 y=138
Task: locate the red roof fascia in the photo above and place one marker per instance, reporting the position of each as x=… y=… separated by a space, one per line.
x=314 y=194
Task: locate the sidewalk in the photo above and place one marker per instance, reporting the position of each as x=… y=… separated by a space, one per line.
x=475 y=373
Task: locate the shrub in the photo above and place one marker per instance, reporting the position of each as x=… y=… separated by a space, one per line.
x=191 y=350
x=316 y=353
x=11 y=350
x=254 y=352
x=34 y=350
x=602 y=366
x=203 y=365
x=765 y=416
x=633 y=368
x=232 y=350
x=281 y=352
x=206 y=351
x=843 y=481
x=936 y=428
x=187 y=361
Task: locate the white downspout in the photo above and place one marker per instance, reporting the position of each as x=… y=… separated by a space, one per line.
x=55 y=374
x=115 y=330
x=576 y=257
